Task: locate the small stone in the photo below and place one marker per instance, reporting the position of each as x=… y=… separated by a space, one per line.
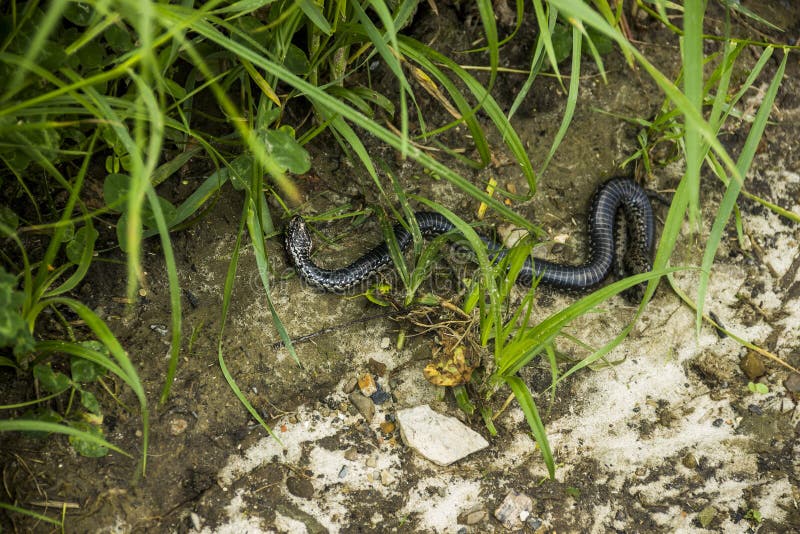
x=351 y=454
x=689 y=461
x=300 y=487
x=363 y=404
x=379 y=368
x=717 y=422
x=380 y=396
x=792 y=383
x=706 y=516
x=178 y=426
x=367 y=384
x=511 y=511
x=533 y=523
x=197 y=522
x=387 y=427
x=372 y=461
x=387 y=478
x=160 y=329
x=385 y=343
x=350 y=385
x=475 y=517
x=439 y=438
x=752 y=366
x=755 y=409
x=343 y=471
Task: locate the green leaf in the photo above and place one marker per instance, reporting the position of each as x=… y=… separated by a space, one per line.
x=244 y=6
x=52 y=381
x=287 y=152
x=83 y=238
x=167 y=208
x=84 y=371
x=296 y=61
x=562 y=42
x=314 y=14
x=115 y=190
x=79 y=13
x=13 y=328
x=90 y=402
x=118 y=38
x=9 y=217
x=90 y=56
x=85 y=447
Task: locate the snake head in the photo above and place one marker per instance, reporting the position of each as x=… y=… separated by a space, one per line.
x=297 y=239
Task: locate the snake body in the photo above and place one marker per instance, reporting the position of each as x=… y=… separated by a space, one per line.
x=615 y=195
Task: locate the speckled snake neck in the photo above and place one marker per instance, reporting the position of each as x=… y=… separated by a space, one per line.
x=615 y=195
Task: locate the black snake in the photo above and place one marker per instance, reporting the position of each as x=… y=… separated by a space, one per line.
x=614 y=195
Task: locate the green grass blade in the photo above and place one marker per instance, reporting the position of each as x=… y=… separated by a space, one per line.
x=486 y=11
x=537 y=60
x=76 y=349
x=30 y=425
x=572 y=96
x=732 y=191
x=29 y=513
x=517 y=354
x=226 y=300
x=526 y=402
x=693 y=64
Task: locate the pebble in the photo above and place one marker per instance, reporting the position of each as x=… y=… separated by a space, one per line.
x=343 y=471
x=514 y=509
x=372 y=461
x=439 y=438
x=533 y=523
x=367 y=384
x=160 y=329
x=387 y=427
x=380 y=396
x=752 y=366
x=300 y=487
x=197 y=522
x=350 y=385
x=351 y=454
x=387 y=478
x=178 y=426
x=473 y=516
x=706 y=516
x=385 y=343
x=792 y=383
x=363 y=404
x=689 y=461
x=379 y=368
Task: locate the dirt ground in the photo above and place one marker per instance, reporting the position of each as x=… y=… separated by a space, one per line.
x=668 y=438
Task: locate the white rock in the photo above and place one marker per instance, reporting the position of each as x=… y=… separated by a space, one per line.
x=439 y=438
x=514 y=510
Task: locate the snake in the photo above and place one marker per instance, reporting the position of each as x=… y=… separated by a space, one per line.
x=617 y=197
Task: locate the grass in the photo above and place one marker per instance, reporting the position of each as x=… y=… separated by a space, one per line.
x=117 y=84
